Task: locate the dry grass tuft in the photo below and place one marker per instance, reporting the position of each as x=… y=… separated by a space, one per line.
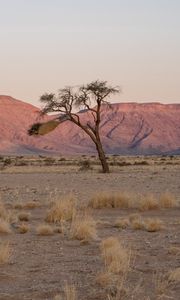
x=137 y=223
x=133 y=217
x=101 y=200
x=110 y=200
x=70 y=293
x=174 y=250
x=4 y=253
x=57 y=297
x=83 y=227
x=31 y=205
x=149 y=202
x=61 y=210
x=104 y=279
x=116 y=257
x=4 y=226
x=174 y=276
x=45 y=229
x=18 y=205
x=24 y=216
x=161 y=284
x=153 y=224
x=167 y=200
x=121 y=200
x=121 y=223
x=23 y=228
x=3 y=211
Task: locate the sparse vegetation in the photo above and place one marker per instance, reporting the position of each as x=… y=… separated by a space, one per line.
x=83 y=227
x=24 y=216
x=116 y=257
x=44 y=229
x=174 y=276
x=121 y=223
x=85 y=165
x=110 y=200
x=23 y=228
x=167 y=200
x=4 y=227
x=70 y=293
x=150 y=272
x=61 y=210
x=148 y=202
x=153 y=224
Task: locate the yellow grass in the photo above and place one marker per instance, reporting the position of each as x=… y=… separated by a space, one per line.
x=174 y=250
x=174 y=276
x=70 y=293
x=110 y=200
x=18 y=205
x=149 y=202
x=61 y=210
x=24 y=216
x=104 y=279
x=83 y=227
x=102 y=200
x=167 y=200
x=133 y=217
x=121 y=223
x=3 y=211
x=4 y=226
x=161 y=284
x=27 y=205
x=45 y=229
x=116 y=257
x=137 y=224
x=23 y=228
x=125 y=200
x=4 y=253
x=153 y=224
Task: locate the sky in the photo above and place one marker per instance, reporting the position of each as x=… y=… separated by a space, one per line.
x=48 y=44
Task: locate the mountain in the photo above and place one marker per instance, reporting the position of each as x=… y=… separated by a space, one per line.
x=126 y=128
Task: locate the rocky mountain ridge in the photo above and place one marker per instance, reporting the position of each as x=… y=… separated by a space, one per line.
x=126 y=128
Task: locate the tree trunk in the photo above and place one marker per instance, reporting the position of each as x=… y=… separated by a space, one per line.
x=102 y=157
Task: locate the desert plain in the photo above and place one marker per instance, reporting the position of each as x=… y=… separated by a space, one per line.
x=119 y=239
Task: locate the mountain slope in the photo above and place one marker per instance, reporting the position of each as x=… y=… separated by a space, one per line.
x=126 y=128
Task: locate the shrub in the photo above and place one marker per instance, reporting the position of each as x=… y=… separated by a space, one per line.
x=152 y=224
x=45 y=229
x=116 y=257
x=149 y=202
x=167 y=200
x=110 y=200
x=83 y=227
x=121 y=223
x=23 y=228
x=24 y=216
x=174 y=276
x=61 y=210
x=85 y=165
x=4 y=226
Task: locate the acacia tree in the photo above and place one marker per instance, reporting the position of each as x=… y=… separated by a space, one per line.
x=90 y=97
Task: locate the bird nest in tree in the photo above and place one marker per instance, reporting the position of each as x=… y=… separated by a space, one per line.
x=43 y=128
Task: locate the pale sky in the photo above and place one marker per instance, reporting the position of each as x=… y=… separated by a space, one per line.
x=47 y=44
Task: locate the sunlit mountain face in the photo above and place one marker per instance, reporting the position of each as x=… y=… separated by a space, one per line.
x=126 y=128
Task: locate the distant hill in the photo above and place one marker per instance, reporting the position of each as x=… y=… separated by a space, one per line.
x=126 y=128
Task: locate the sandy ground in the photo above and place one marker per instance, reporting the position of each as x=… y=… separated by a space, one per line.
x=40 y=266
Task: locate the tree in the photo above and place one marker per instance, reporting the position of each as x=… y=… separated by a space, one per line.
x=90 y=97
